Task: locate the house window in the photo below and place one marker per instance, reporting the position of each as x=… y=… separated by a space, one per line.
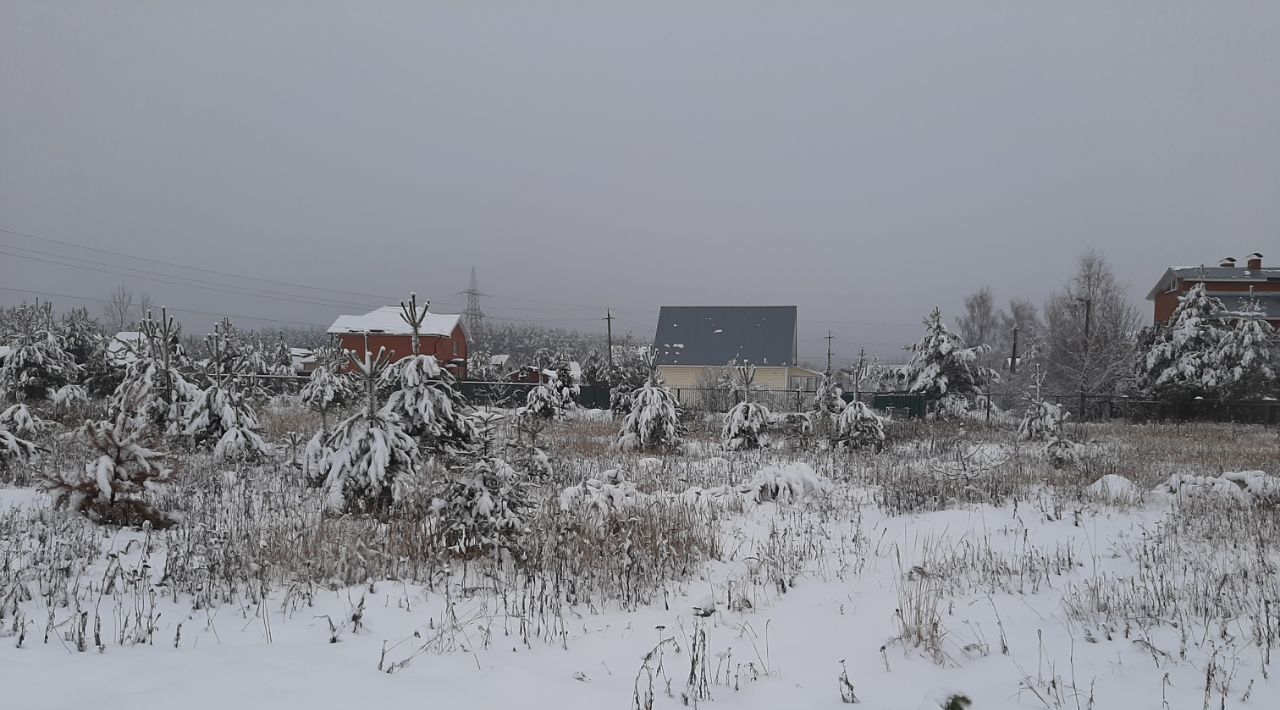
x=455 y=348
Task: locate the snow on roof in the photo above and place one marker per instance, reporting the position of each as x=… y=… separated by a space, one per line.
x=387 y=320
x=499 y=360
x=1211 y=273
x=4 y=351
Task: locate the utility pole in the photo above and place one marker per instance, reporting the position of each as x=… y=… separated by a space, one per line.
x=857 y=376
x=829 y=338
x=608 y=318
x=1084 y=364
x=1013 y=356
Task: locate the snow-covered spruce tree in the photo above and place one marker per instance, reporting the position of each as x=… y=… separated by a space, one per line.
x=15 y=449
x=941 y=364
x=566 y=386
x=629 y=373
x=653 y=424
x=1044 y=421
x=282 y=357
x=39 y=360
x=746 y=422
x=1246 y=354
x=18 y=419
x=111 y=488
x=859 y=428
x=482 y=508
x=543 y=401
x=1181 y=359
x=326 y=389
x=423 y=398
x=154 y=392
x=370 y=451
x=219 y=415
x=523 y=451
x=828 y=403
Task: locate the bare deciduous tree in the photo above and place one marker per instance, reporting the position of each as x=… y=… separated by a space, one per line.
x=979 y=324
x=1090 y=329
x=118 y=309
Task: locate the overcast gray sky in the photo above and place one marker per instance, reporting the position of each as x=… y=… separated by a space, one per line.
x=861 y=160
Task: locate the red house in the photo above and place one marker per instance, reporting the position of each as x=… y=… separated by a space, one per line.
x=1233 y=285
x=440 y=335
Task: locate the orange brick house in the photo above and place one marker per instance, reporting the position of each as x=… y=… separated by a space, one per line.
x=1231 y=284
x=441 y=335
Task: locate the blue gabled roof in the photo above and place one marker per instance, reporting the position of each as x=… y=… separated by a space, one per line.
x=714 y=335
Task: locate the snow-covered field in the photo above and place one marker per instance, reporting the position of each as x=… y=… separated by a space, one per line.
x=953 y=563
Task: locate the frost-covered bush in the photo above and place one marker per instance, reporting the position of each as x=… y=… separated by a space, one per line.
x=859 y=428
x=744 y=426
x=653 y=422
x=14 y=449
x=111 y=489
x=69 y=396
x=1042 y=421
x=1062 y=452
x=1249 y=487
x=18 y=419
x=609 y=493
x=482 y=508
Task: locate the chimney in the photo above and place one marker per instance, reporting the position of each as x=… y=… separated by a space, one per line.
x=1227 y=262
x=1255 y=261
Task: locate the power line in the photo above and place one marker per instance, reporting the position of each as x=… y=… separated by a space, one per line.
x=172 y=308
x=27 y=235
x=174 y=283
x=141 y=273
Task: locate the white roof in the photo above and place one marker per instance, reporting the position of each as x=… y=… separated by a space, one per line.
x=4 y=351
x=387 y=320
x=499 y=360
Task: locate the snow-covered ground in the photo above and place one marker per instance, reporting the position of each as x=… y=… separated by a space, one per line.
x=1014 y=606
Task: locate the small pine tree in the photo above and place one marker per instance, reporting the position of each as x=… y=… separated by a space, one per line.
x=370 y=451
x=482 y=508
x=219 y=414
x=111 y=488
x=154 y=392
x=543 y=401
x=39 y=360
x=653 y=423
x=859 y=428
x=941 y=364
x=1182 y=358
x=565 y=384
x=326 y=389
x=629 y=373
x=1043 y=421
x=423 y=398
x=828 y=403
x=746 y=422
x=14 y=449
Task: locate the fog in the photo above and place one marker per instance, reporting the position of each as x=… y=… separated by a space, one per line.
x=863 y=161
